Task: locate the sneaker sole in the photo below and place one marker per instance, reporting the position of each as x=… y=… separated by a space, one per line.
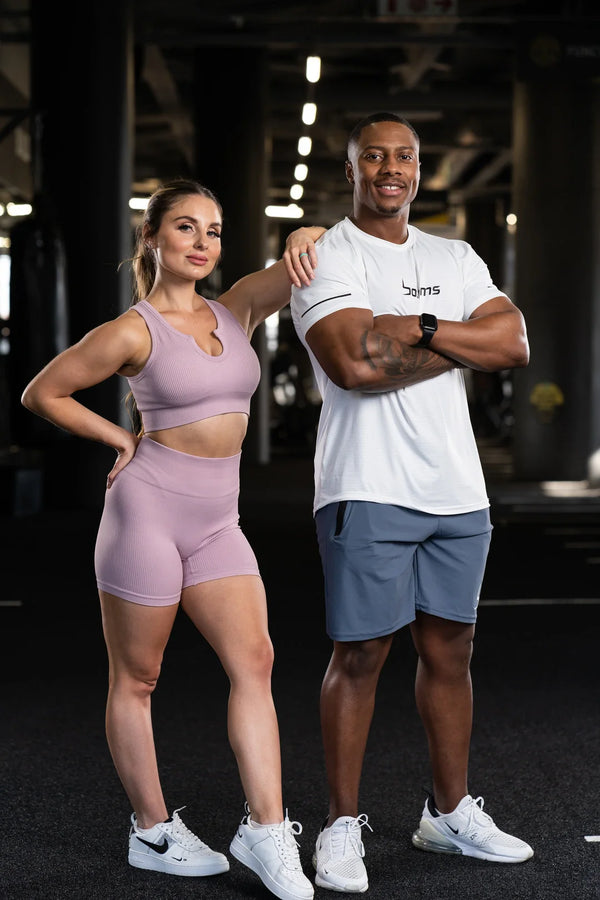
x=344 y=888
x=145 y=861
x=322 y=883
x=423 y=843
x=249 y=859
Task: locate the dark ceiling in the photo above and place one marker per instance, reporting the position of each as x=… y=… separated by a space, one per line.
x=449 y=66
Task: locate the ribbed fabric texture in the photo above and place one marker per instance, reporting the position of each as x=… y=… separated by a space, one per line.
x=170 y=520
x=180 y=383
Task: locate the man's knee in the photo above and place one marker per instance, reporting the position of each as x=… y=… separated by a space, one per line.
x=444 y=646
x=360 y=659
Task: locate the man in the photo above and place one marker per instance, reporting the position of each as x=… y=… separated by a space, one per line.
x=390 y=320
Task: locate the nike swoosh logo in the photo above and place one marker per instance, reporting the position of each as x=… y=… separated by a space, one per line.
x=158 y=848
x=453 y=830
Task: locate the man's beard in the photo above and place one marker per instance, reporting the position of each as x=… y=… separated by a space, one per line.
x=389 y=211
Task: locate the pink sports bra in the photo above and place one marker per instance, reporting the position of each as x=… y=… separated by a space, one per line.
x=180 y=383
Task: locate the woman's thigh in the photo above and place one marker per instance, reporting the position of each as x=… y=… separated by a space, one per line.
x=135 y=635
x=231 y=613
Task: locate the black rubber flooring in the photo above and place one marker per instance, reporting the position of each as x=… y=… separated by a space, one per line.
x=536 y=738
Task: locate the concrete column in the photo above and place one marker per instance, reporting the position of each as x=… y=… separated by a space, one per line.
x=485 y=231
x=82 y=91
x=232 y=157
x=484 y=228
x=557 y=201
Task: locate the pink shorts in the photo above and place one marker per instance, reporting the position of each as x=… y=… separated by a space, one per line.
x=170 y=520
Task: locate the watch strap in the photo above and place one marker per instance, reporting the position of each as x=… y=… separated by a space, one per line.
x=428 y=323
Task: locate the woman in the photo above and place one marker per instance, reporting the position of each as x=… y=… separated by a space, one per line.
x=169 y=532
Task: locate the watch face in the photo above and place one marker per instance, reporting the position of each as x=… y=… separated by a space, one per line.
x=428 y=323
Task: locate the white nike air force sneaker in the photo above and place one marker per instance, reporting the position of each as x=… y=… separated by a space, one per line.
x=271 y=851
x=172 y=848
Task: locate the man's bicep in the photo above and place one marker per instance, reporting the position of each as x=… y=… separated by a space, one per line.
x=336 y=340
x=496 y=304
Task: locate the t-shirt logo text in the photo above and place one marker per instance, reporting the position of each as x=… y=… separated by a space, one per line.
x=420 y=292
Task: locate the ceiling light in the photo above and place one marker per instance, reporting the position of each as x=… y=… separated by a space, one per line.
x=304 y=146
x=292 y=211
x=309 y=113
x=313 y=68
x=300 y=172
x=138 y=202
x=296 y=191
x=19 y=209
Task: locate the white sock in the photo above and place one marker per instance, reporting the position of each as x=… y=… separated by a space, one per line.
x=144 y=830
x=254 y=824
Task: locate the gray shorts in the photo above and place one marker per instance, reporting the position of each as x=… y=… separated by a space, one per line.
x=382 y=563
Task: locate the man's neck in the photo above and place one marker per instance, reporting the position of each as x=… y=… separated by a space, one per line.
x=388 y=228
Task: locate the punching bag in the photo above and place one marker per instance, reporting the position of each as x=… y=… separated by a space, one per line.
x=39 y=324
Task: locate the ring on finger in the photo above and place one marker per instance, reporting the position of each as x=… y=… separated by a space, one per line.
x=302 y=254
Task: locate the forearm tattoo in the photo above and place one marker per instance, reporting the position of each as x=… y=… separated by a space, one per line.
x=402 y=363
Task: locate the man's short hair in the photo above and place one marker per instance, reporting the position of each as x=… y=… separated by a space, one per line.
x=378 y=117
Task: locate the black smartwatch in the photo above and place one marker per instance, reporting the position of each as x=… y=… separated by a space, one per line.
x=429 y=325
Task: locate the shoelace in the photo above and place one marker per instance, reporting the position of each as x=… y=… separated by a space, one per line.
x=477 y=818
x=477 y=814
x=351 y=832
x=183 y=835
x=284 y=836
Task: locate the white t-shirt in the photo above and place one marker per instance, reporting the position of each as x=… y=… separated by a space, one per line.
x=413 y=446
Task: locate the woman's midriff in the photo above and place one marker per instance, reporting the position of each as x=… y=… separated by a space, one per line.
x=218 y=436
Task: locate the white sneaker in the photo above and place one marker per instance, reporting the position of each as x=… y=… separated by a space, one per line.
x=172 y=848
x=271 y=851
x=338 y=856
x=470 y=831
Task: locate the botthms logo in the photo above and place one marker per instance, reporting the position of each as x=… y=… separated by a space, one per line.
x=420 y=292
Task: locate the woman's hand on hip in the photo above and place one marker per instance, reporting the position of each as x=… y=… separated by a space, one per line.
x=125 y=454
